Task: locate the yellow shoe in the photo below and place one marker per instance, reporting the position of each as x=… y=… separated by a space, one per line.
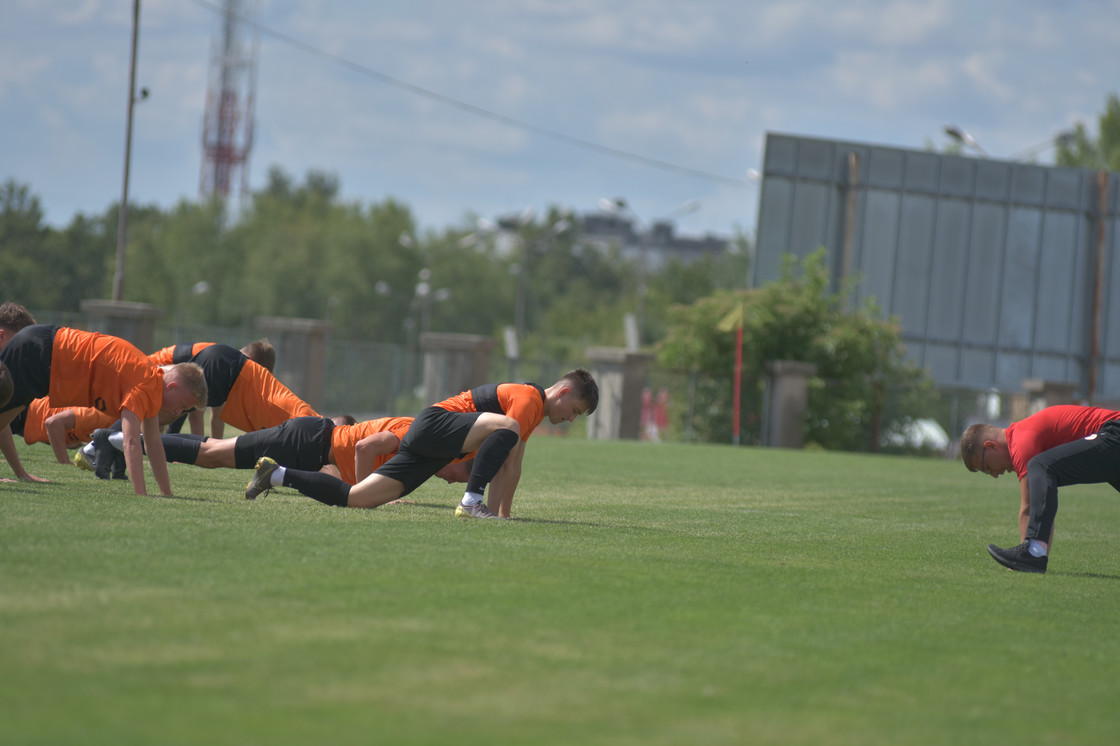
x=82 y=462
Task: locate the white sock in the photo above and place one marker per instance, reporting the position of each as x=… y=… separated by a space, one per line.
x=276 y=479
x=471 y=498
x=117 y=440
x=1037 y=548
x=87 y=449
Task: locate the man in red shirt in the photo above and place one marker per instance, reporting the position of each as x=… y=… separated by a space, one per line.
x=490 y=423
x=1059 y=446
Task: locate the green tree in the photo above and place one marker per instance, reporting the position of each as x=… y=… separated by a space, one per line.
x=860 y=358
x=23 y=239
x=1084 y=151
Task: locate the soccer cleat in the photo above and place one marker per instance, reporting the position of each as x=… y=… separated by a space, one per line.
x=262 y=479
x=102 y=452
x=82 y=461
x=478 y=510
x=1018 y=558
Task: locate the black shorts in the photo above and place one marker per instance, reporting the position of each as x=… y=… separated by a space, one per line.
x=299 y=443
x=434 y=440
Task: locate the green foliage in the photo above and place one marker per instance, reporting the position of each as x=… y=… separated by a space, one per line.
x=859 y=358
x=298 y=250
x=1103 y=152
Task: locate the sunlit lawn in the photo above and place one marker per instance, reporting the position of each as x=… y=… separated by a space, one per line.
x=648 y=594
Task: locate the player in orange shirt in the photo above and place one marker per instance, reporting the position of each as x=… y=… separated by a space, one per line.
x=492 y=422
x=61 y=427
x=354 y=449
x=240 y=393
x=87 y=369
x=243 y=392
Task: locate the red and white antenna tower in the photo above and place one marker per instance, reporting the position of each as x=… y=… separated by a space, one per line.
x=227 y=126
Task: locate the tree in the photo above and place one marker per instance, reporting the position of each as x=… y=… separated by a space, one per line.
x=23 y=239
x=1083 y=151
x=860 y=358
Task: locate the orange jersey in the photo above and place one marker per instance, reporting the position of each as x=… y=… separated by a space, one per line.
x=344 y=441
x=523 y=402
x=107 y=373
x=86 y=420
x=166 y=356
x=258 y=400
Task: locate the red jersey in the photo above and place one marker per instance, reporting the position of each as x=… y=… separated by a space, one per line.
x=523 y=402
x=1051 y=427
x=344 y=441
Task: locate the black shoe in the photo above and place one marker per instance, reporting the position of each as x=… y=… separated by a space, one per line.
x=102 y=453
x=1018 y=558
x=118 y=466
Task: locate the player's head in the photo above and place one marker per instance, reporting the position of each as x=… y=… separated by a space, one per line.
x=574 y=394
x=983 y=449
x=13 y=317
x=342 y=420
x=7 y=385
x=262 y=353
x=184 y=389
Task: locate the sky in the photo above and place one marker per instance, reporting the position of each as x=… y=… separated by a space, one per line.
x=481 y=108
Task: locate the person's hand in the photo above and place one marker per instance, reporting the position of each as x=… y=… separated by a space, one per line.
x=26 y=477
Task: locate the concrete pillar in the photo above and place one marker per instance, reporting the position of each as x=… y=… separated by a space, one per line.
x=135 y=322
x=454 y=363
x=1042 y=393
x=621 y=375
x=301 y=353
x=787 y=400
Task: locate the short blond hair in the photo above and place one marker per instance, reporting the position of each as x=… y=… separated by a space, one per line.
x=191 y=376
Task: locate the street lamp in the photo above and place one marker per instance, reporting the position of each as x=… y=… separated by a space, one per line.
x=619 y=206
x=964 y=138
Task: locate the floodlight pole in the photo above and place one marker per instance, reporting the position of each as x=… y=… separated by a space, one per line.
x=122 y=213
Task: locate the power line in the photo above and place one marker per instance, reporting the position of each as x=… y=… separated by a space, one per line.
x=476 y=110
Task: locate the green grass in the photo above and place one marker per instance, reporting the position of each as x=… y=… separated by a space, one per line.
x=649 y=594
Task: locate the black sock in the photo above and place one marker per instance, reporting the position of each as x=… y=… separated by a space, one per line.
x=318 y=486
x=182 y=449
x=491 y=455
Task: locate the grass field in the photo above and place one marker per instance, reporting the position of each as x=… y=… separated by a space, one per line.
x=648 y=594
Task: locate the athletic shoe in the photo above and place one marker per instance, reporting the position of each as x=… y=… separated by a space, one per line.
x=82 y=462
x=478 y=510
x=261 y=481
x=102 y=452
x=1018 y=558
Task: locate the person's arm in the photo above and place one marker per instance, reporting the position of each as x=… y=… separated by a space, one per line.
x=500 y=499
x=157 y=459
x=8 y=447
x=133 y=455
x=56 y=426
x=217 y=424
x=369 y=449
x=197 y=421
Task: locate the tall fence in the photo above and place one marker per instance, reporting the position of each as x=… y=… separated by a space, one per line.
x=1000 y=272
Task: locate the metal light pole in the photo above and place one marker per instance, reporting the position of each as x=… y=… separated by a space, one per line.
x=122 y=218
